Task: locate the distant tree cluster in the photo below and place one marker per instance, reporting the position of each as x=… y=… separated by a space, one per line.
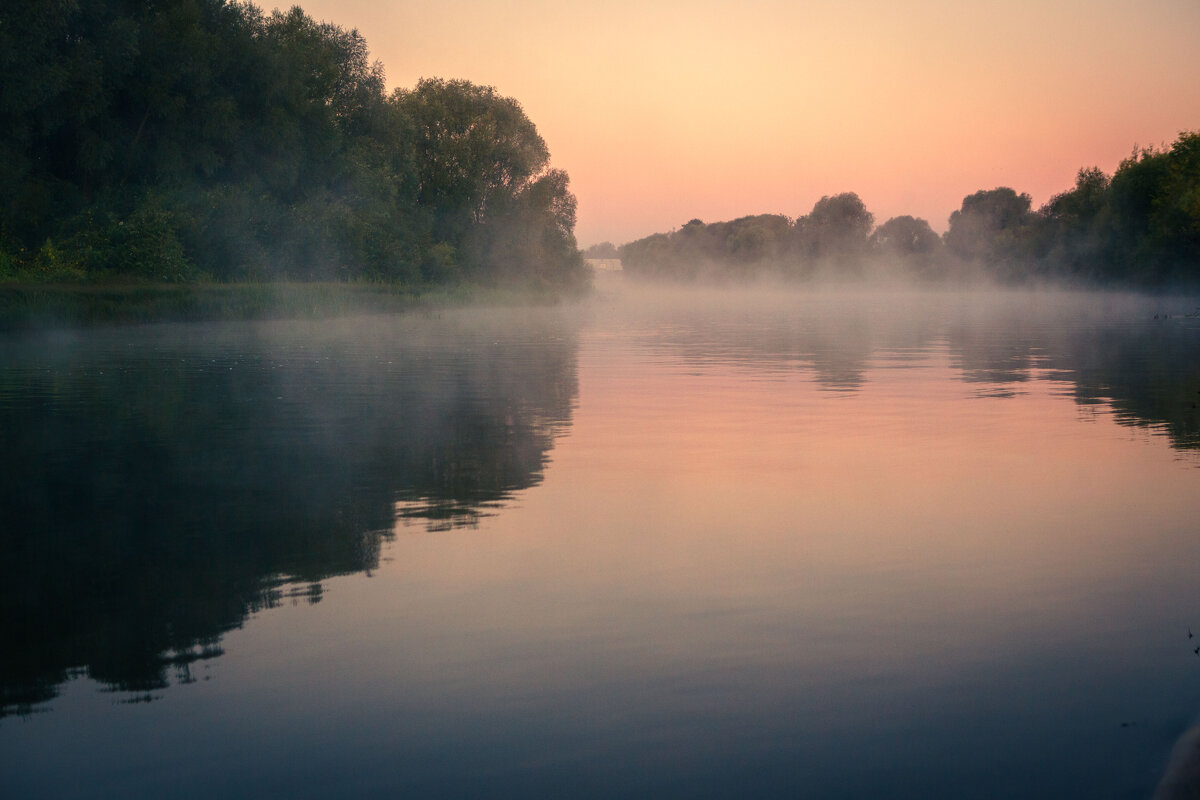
x=838 y=238
x=601 y=250
x=187 y=138
x=1141 y=226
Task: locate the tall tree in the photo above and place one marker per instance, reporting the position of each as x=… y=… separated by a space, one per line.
x=484 y=176
x=912 y=243
x=990 y=227
x=835 y=232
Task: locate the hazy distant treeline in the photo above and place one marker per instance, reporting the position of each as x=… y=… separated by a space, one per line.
x=1139 y=226
x=203 y=138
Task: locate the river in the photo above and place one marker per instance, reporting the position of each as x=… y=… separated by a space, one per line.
x=688 y=543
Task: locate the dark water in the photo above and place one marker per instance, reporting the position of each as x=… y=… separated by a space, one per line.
x=753 y=544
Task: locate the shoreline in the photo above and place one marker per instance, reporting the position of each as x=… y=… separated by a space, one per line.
x=25 y=305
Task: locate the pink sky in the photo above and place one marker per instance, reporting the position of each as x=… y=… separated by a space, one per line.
x=661 y=112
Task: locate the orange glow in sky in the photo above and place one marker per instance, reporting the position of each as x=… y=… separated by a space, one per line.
x=671 y=110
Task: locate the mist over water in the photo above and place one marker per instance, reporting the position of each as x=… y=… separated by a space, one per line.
x=853 y=520
x=167 y=481
x=833 y=542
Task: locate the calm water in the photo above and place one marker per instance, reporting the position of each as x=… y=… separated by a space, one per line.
x=830 y=545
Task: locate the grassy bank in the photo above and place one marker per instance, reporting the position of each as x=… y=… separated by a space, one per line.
x=30 y=305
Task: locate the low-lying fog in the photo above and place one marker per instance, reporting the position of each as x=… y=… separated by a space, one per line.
x=631 y=544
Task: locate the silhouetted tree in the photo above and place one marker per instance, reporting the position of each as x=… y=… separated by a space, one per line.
x=1175 y=222
x=483 y=168
x=760 y=240
x=1076 y=228
x=185 y=137
x=912 y=243
x=738 y=249
x=1141 y=227
x=991 y=228
x=835 y=231
x=650 y=257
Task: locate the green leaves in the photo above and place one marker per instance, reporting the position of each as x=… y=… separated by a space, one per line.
x=268 y=147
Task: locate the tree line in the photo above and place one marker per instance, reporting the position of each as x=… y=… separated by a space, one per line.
x=205 y=139
x=1139 y=226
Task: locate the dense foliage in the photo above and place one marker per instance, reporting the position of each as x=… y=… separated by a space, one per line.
x=1138 y=227
x=187 y=138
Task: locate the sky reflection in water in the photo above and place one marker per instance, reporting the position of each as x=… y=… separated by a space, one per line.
x=835 y=546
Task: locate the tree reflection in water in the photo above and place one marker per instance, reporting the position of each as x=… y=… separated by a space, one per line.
x=1115 y=349
x=164 y=483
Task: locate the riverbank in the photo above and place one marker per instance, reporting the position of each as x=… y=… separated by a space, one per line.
x=26 y=305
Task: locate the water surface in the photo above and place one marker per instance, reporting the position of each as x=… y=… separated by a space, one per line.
x=834 y=544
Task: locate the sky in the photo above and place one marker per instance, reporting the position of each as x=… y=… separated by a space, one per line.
x=662 y=112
